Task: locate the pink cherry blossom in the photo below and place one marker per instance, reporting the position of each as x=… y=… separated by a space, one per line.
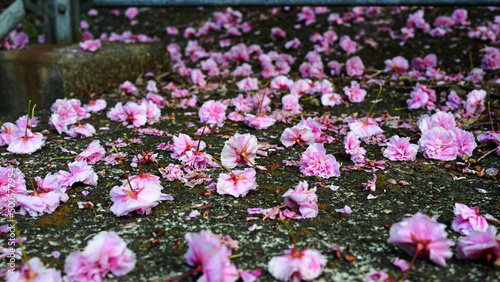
x=480 y=244
x=365 y=127
x=348 y=45
x=239 y=150
x=301 y=135
x=80 y=171
x=468 y=219
x=277 y=33
x=355 y=93
x=127 y=87
x=421 y=235
x=184 y=143
x=315 y=162
x=307 y=15
x=465 y=140
x=295 y=265
x=135 y=115
x=69 y=110
x=35 y=272
x=131 y=12
x=259 y=121
x=400 y=149
x=475 y=101
x=430 y=61
x=454 y=101
x=82 y=131
x=281 y=82
x=126 y=200
x=237 y=183
x=210 y=66
x=198 y=77
x=352 y=146
x=421 y=97
x=398 y=65
x=8 y=188
x=90 y=45
x=197 y=159
x=207 y=253
x=248 y=84
x=153 y=112
x=302 y=199
x=293 y=44
x=291 y=104
x=300 y=88
x=459 y=16
x=438 y=144
x=21 y=122
x=116 y=113
x=213 y=112
x=331 y=99
x=105 y=252
x=377 y=276
x=95 y=106
x=491 y=60
x=7 y=133
x=156 y=99
x=354 y=66
x=316 y=128
x=38 y=204
x=26 y=142
x=94 y=153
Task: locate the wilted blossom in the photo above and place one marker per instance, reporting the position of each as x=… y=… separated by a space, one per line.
x=37 y=204
x=438 y=144
x=80 y=171
x=295 y=265
x=237 y=183
x=239 y=150
x=36 y=272
x=105 y=252
x=94 y=153
x=184 y=143
x=301 y=135
x=365 y=127
x=26 y=142
x=355 y=93
x=213 y=112
x=480 y=244
x=421 y=235
x=475 y=102
x=468 y=220
x=422 y=97
x=315 y=162
x=134 y=114
x=210 y=256
x=90 y=45
x=400 y=149
x=354 y=66
x=302 y=199
x=370 y=184
x=352 y=146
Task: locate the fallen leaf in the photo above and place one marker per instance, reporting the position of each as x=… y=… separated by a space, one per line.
x=392 y=181
x=404 y=183
x=159 y=233
x=223 y=216
x=204 y=206
x=176 y=244
x=350 y=259
x=206 y=213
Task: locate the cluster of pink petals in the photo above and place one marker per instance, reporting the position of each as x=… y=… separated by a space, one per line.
x=94 y=153
x=237 y=183
x=300 y=135
x=81 y=130
x=135 y=114
x=80 y=171
x=352 y=147
x=475 y=102
x=302 y=199
x=354 y=66
x=9 y=189
x=428 y=61
x=422 y=98
x=422 y=233
x=127 y=87
x=295 y=265
x=184 y=143
x=315 y=162
x=400 y=149
x=105 y=252
x=291 y=104
x=491 y=59
x=439 y=144
x=365 y=127
x=439 y=119
x=398 y=66
x=468 y=220
x=213 y=112
x=35 y=272
x=259 y=121
x=355 y=93
x=207 y=253
x=239 y=150
x=480 y=244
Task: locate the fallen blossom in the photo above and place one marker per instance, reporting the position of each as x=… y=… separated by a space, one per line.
x=237 y=183
x=315 y=162
x=296 y=265
x=302 y=199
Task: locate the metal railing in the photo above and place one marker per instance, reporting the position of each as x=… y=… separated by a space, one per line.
x=63 y=16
